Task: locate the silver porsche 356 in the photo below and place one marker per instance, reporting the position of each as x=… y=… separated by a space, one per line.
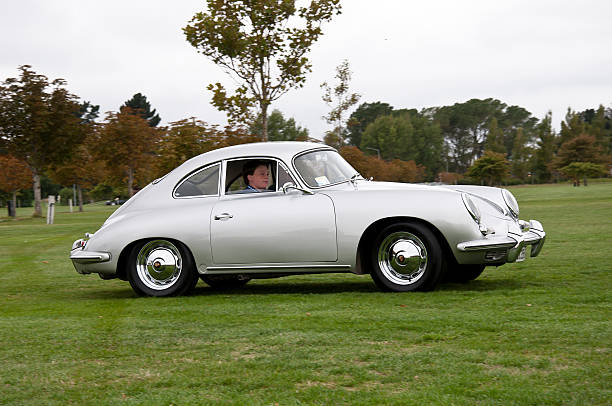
x=316 y=215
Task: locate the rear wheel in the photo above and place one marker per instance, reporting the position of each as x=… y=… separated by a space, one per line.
x=406 y=257
x=161 y=268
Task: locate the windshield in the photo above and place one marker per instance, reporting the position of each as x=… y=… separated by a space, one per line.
x=323 y=168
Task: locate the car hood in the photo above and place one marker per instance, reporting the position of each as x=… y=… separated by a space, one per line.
x=489 y=199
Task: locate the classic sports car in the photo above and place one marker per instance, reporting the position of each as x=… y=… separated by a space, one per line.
x=317 y=215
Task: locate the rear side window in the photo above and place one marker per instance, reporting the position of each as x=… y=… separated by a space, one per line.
x=202 y=183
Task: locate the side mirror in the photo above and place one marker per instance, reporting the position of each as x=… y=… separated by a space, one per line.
x=291 y=186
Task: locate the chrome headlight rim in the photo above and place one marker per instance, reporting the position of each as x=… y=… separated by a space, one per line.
x=511 y=203
x=471 y=207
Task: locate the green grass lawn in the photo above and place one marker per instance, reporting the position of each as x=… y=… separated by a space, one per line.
x=534 y=333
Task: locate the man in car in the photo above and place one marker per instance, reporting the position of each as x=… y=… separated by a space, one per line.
x=256 y=176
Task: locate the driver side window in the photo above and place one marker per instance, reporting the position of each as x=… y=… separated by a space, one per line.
x=234 y=177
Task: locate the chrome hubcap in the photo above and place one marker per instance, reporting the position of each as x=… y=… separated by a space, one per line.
x=159 y=264
x=402 y=258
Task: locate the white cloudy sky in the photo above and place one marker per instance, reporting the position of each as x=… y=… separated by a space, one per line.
x=539 y=54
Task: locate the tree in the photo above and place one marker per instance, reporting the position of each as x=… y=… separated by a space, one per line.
x=14 y=176
x=572 y=127
x=491 y=168
x=520 y=156
x=141 y=107
x=126 y=144
x=546 y=140
x=365 y=114
x=599 y=125
x=372 y=166
x=510 y=120
x=340 y=100
x=182 y=140
x=262 y=44
x=465 y=127
x=392 y=137
x=583 y=148
x=39 y=123
x=408 y=136
x=494 y=140
x=582 y=170
x=70 y=172
x=187 y=138
x=279 y=129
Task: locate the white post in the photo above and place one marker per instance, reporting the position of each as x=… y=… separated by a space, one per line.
x=70 y=205
x=50 y=209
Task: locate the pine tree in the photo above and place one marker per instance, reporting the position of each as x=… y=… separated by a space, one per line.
x=520 y=156
x=494 y=140
x=141 y=107
x=546 y=149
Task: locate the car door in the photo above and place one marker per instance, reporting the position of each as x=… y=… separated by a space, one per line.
x=273 y=228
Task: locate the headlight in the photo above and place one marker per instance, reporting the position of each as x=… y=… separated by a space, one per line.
x=511 y=202
x=471 y=207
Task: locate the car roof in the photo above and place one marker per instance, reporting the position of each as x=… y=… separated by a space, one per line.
x=284 y=150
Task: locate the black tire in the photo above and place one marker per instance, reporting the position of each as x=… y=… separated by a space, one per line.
x=225 y=281
x=161 y=268
x=406 y=257
x=466 y=273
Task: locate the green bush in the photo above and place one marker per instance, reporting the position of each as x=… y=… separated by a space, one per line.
x=65 y=194
x=101 y=192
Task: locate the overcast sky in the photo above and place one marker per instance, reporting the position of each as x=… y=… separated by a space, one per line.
x=539 y=54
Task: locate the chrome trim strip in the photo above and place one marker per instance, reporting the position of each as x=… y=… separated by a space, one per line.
x=85 y=257
x=481 y=245
x=277 y=268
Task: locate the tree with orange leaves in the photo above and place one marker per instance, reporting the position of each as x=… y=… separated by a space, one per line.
x=14 y=176
x=392 y=171
x=126 y=144
x=187 y=138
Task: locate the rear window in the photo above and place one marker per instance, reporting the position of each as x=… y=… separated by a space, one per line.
x=202 y=183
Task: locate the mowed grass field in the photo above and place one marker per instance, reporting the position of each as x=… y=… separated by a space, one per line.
x=533 y=333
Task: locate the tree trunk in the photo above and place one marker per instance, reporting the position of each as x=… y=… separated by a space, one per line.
x=37 y=208
x=14 y=214
x=264 y=122
x=130 y=181
x=80 y=193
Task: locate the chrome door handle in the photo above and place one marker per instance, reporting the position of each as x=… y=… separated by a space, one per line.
x=223 y=216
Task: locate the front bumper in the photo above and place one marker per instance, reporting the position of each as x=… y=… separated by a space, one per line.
x=82 y=259
x=511 y=248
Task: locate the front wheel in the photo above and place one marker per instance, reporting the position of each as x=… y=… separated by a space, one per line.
x=406 y=257
x=161 y=268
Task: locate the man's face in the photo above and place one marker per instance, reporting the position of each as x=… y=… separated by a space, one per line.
x=259 y=178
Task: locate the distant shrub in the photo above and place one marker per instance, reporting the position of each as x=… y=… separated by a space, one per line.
x=65 y=194
x=101 y=192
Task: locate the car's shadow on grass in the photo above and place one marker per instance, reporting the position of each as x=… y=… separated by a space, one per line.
x=481 y=285
x=312 y=287
x=291 y=287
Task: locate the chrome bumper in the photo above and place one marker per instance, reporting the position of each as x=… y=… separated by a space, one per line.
x=81 y=257
x=510 y=248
